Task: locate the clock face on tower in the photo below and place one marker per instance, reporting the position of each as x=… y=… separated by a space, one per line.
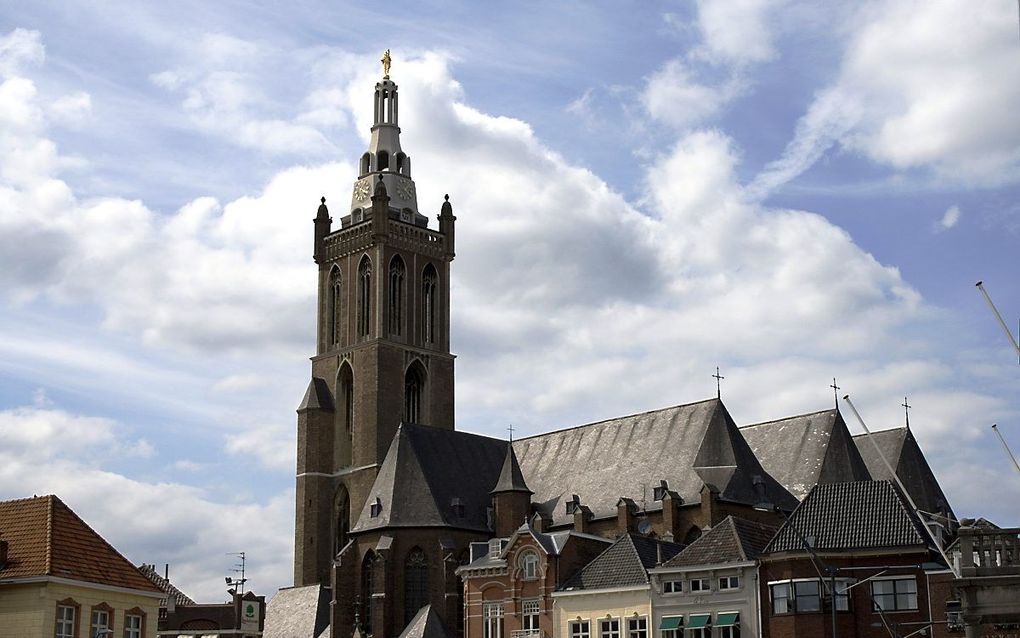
x=362 y=188
x=405 y=189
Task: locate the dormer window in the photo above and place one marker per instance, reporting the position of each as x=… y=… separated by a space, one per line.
x=574 y=504
x=457 y=507
x=376 y=508
x=495 y=547
x=659 y=491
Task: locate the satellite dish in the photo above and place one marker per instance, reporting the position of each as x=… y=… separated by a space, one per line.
x=644 y=526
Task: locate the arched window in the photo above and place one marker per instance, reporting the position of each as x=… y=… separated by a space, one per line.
x=529 y=565
x=366 y=163
x=416 y=583
x=429 y=281
x=693 y=534
x=343 y=520
x=382 y=161
x=395 y=305
x=364 y=296
x=414 y=393
x=344 y=415
x=335 y=303
x=400 y=163
x=367 y=589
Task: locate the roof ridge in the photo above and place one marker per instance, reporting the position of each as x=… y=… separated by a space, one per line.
x=787 y=418
x=637 y=555
x=898 y=428
x=49 y=534
x=618 y=418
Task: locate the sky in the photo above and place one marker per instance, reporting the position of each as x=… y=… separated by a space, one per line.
x=793 y=192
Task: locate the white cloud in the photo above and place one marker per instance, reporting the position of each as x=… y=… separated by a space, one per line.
x=71 y=110
x=737 y=31
x=269 y=446
x=949 y=219
x=916 y=90
x=673 y=95
x=20 y=48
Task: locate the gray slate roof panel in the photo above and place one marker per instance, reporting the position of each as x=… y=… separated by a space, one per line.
x=851 y=516
x=902 y=451
x=297 y=612
x=426 y=624
x=802 y=451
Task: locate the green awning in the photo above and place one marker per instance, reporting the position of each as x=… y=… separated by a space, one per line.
x=671 y=622
x=725 y=620
x=698 y=620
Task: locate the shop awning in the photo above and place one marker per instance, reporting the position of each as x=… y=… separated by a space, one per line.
x=671 y=622
x=726 y=620
x=696 y=621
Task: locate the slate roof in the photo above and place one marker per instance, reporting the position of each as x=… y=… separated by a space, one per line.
x=424 y=470
x=733 y=540
x=902 y=451
x=297 y=612
x=317 y=396
x=625 y=563
x=844 y=517
x=45 y=538
x=511 y=479
x=805 y=450
x=425 y=624
x=685 y=445
x=180 y=598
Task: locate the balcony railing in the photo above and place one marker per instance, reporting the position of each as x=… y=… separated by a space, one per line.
x=526 y=633
x=989 y=552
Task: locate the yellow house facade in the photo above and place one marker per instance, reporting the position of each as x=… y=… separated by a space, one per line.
x=60 y=579
x=604 y=613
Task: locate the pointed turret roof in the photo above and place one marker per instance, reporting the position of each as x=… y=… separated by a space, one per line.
x=805 y=450
x=511 y=479
x=426 y=624
x=317 y=396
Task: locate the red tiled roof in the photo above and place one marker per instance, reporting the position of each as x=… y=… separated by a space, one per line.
x=45 y=538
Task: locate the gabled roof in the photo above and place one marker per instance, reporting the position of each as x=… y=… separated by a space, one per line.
x=180 y=598
x=511 y=479
x=734 y=540
x=805 y=450
x=603 y=461
x=551 y=543
x=45 y=538
x=426 y=624
x=425 y=469
x=846 y=517
x=900 y=448
x=624 y=564
x=298 y=612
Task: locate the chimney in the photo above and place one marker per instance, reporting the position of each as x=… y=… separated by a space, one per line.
x=166 y=572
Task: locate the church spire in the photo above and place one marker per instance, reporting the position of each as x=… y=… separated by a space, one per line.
x=511 y=478
x=386 y=158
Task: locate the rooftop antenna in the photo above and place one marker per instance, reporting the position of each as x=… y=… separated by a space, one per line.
x=903 y=489
x=238 y=568
x=995 y=311
x=995 y=428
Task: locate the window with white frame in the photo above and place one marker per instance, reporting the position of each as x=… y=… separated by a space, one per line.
x=100 y=622
x=791 y=597
x=700 y=584
x=637 y=627
x=609 y=628
x=729 y=582
x=529 y=614
x=529 y=565
x=65 y=621
x=733 y=631
x=894 y=594
x=492 y=615
x=672 y=586
x=495 y=547
x=132 y=626
x=580 y=629
x=671 y=627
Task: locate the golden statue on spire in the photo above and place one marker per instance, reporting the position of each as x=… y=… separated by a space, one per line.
x=386 y=61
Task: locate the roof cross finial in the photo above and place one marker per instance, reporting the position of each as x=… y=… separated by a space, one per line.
x=718 y=386
x=511 y=429
x=906 y=411
x=386 y=62
x=835 y=391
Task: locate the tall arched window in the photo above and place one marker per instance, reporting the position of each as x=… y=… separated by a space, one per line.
x=343 y=520
x=335 y=303
x=414 y=393
x=395 y=305
x=366 y=163
x=429 y=281
x=344 y=415
x=416 y=583
x=367 y=589
x=364 y=296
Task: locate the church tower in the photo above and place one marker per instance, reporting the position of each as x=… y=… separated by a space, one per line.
x=383 y=340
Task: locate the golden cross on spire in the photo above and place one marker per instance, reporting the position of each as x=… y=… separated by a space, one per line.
x=386 y=61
